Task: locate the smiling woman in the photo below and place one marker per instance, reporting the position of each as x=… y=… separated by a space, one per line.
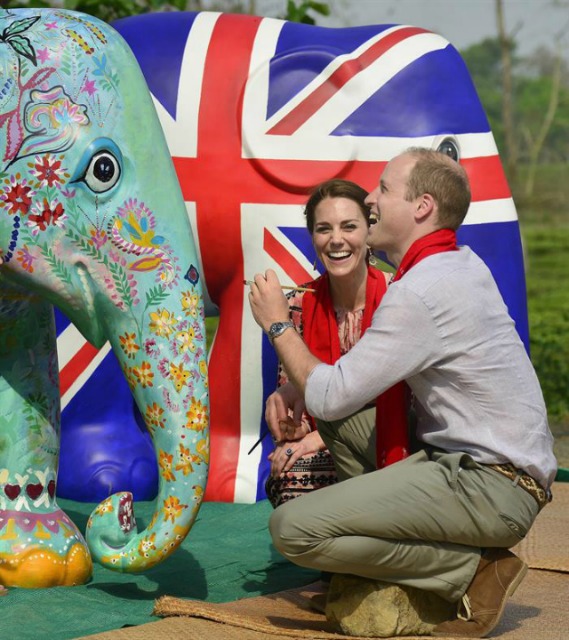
x=331 y=319
x=339 y=236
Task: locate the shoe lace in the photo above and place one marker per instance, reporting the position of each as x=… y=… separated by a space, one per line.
x=466 y=606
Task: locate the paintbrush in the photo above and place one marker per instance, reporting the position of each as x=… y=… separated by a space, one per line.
x=284 y=286
x=264 y=434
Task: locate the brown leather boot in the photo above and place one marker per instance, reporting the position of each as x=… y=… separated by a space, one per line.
x=498 y=575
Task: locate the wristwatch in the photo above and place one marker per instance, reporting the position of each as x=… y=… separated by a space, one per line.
x=277 y=328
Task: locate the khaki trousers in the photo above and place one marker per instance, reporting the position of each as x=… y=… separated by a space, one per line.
x=421 y=522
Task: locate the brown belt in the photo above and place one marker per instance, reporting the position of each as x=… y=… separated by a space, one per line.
x=525 y=481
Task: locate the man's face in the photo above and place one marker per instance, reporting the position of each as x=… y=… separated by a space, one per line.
x=394 y=214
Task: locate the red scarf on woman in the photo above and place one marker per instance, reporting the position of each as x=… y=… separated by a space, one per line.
x=320 y=332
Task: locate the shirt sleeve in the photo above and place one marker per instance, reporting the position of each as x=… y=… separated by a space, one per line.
x=401 y=341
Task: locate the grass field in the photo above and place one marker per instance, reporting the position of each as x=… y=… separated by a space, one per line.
x=544 y=221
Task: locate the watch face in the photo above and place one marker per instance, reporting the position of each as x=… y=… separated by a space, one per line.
x=278 y=327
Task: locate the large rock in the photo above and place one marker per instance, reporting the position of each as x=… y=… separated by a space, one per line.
x=362 y=607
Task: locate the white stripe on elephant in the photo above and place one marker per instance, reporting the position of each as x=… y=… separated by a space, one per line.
x=486 y=211
x=182 y=132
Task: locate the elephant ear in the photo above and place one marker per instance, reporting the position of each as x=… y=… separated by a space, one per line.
x=12 y=120
x=54 y=122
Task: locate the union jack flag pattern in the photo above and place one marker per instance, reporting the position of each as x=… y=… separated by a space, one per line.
x=258 y=111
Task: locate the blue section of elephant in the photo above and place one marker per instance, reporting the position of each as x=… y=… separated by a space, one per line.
x=499 y=245
x=303 y=51
x=270 y=373
x=158 y=41
x=434 y=95
x=120 y=455
x=300 y=237
x=295 y=36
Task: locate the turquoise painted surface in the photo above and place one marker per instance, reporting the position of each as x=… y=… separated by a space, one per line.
x=91 y=220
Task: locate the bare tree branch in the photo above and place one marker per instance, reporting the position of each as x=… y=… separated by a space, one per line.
x=507 y=98
x=537 y=145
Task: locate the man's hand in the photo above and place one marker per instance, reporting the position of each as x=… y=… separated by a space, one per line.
x=267 y=300
x=286 y=400
x=269 y=305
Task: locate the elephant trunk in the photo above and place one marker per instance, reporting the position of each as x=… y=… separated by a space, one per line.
x=162 y=354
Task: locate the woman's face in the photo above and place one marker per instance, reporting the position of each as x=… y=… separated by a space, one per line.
x=340 y=236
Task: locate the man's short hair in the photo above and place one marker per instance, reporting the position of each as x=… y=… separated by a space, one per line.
x=445 y=180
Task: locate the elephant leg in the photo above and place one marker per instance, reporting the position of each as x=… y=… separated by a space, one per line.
x=39 y=545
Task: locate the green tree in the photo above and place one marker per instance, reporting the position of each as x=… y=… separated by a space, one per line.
x=300 y=12
x=540 y=85
x=109 y=10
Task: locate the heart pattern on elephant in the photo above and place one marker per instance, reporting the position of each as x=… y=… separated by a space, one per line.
x=12 y=491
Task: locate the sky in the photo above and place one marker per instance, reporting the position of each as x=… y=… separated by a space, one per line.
x=463 y=22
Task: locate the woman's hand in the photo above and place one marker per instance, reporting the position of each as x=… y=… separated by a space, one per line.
x=287 y=453
x=283 y=413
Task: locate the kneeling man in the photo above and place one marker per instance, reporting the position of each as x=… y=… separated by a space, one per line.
x=442 y=519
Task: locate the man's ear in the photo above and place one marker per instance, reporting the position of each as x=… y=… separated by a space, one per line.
x=426 y=206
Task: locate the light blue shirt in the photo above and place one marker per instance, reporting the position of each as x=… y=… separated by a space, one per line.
x=445 y=330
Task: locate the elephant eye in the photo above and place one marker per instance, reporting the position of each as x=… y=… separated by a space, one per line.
x=103 y=172
x=449 y=147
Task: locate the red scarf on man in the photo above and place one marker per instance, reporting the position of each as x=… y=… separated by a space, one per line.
x=435 y=242
x=321 y=336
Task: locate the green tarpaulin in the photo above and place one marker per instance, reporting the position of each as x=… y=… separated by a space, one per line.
x=227 y=555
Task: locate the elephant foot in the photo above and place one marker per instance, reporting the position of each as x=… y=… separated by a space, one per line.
x=42 y=550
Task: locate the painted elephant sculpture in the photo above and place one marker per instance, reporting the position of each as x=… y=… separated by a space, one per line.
x=256 y=112
x=91 y=220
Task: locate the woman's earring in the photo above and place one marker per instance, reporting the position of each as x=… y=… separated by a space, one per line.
x=371 y=259
x=315 y=263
